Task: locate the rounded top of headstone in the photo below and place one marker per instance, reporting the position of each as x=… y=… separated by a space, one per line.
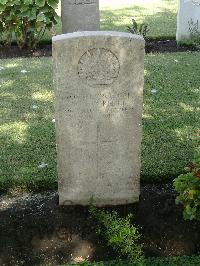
x=97 y=34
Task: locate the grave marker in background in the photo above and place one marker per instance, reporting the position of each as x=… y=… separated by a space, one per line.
x=188 y=11
x=80 y=15
x=98 y=80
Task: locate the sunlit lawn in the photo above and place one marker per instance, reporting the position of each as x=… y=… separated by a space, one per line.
x=171 y=119
x=160 y=15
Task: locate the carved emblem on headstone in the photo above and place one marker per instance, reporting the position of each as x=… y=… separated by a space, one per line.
x=98 y=66
x=98 y=103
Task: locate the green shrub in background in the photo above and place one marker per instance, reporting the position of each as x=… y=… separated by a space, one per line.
x=120 y=234
x=26 y=20
x=171 y=261
x=188 y=187
x=140 y=29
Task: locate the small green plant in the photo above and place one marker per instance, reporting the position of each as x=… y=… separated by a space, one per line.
x=120 y=234
x=194 y=32
x=136 y=28
x=26 y=20
x=188 y=187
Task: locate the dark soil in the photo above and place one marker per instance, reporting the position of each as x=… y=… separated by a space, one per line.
x=169 y=46
x=46 y=50
x=35 y=230
x=14 y=51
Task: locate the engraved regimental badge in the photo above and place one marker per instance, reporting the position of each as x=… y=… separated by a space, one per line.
x=98 y=66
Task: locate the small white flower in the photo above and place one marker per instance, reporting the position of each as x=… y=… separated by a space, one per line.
x=24 y=71
x=153 y=91
x=176 y=60
x=53 y=120
x=42 y=165
x=35 y=106
x=1 y=68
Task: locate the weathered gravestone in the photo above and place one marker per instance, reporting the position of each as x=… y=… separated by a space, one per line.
x=187 y=19
x=80 y=15
x=98 y=79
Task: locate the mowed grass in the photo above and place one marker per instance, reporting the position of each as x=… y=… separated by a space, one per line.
x=160 y=15
x=171 y=119
x=27 y=131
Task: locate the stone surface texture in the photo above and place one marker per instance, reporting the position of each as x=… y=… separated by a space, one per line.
x=80 y=15
x=188 y=10
x=98 y=81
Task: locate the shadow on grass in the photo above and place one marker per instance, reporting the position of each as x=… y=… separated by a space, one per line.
x=160 y=17
x=162 y=23
x=171 y=115
x=170 y=120
x=27 y=132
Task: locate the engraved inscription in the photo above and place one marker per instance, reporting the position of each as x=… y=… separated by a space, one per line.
x=108 y=103
x=98 y=66
x=82 y=2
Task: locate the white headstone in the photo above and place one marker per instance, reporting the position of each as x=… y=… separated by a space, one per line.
x=188 y=11
x=80 y=15
x=98 y=79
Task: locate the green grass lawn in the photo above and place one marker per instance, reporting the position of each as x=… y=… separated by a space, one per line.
x=160 y=15
x=171 y=119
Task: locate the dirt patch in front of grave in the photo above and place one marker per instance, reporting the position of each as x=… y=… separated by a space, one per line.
x=35 y=230
x=46 y=49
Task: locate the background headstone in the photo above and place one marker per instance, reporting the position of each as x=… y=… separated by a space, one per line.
x=98 y=79
x=188 y=10
x=80 y=15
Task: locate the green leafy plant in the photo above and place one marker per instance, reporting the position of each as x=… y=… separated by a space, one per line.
x=194 y=32
x=120 y=234
x=140 y=29
x=188 y=187
x=168 y=261
x=26 y=20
